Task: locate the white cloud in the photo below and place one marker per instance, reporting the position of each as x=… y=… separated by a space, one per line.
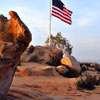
x=86 y=47
x=85 y=21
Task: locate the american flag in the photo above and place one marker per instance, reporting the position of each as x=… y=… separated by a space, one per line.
x=60 y=11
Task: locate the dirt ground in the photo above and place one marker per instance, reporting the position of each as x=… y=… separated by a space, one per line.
x=48 y=88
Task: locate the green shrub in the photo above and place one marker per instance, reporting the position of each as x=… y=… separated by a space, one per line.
x=87 y=83
x=35 y=58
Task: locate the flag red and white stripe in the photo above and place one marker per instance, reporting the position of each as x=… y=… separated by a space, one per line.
x=64 y=15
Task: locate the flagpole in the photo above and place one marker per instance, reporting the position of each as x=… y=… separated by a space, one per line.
x=50 y=23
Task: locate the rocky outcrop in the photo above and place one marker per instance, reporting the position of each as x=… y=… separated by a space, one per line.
x=36 y=69
x=89 y=65
x=72 y=64
x=42 y=54
x=14 y=38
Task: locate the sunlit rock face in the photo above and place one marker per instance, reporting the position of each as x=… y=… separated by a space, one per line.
x=14 y=38
x=72 y=64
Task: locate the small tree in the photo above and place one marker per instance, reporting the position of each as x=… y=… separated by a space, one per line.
x=61 y=43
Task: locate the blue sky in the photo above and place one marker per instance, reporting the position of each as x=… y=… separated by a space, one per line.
x=83 y=34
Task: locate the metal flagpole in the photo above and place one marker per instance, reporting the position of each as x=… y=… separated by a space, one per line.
x=50 y=23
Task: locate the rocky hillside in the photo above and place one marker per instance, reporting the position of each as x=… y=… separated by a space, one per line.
x=47 y=84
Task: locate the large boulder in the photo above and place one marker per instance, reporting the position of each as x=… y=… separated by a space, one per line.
x=61 y=69
x=36 y=69
x=42 y=54
x=95 y=65
x=14 y=38
x=72 y=64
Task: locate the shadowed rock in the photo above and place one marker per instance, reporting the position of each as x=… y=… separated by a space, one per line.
x=42 y=54
x=62 y=69
x=14 y=38
x=36 y=69
x=73 y=65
